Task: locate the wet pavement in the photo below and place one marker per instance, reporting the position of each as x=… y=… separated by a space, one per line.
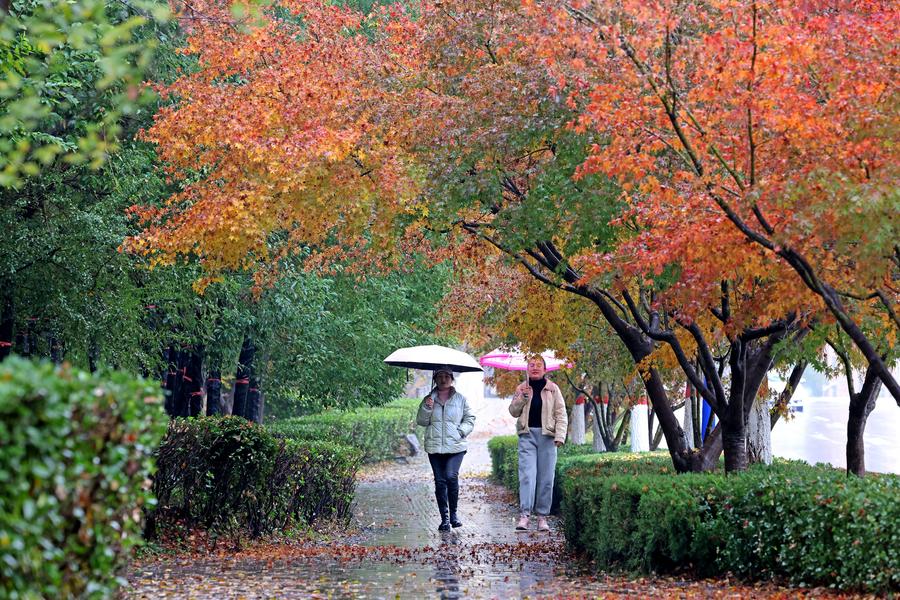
x=392 y=549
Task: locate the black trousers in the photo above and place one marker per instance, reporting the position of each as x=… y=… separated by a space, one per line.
x=446 y=480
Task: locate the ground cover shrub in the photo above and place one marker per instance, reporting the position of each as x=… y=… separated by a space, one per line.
x=75 y=456
x=377 y=432
x=231 y=476
x=808 y=525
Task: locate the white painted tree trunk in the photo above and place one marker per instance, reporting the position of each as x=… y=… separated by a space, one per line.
x=640 y=438
x=759 y=433
x=576 y=424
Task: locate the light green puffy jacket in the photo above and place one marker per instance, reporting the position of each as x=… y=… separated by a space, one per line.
x=447 y=426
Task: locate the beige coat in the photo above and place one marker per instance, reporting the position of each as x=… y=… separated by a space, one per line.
x=554 y=419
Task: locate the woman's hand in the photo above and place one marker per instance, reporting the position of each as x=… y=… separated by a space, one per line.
x=429 y=402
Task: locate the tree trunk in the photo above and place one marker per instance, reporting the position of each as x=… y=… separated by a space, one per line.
x=193 y=382
x=180 y=394
x=25 y=339
x=598 y=444
x=655 y=439
x=734 y=443
x=576 y=421
x=861 y=404
x=55 y=347
x=7 y=319
x=170 y=358
x=788 y=392
x=624 y=426
x=254 y=399
x=93 y=355
x=759 y=439
x=214 y=394
x=640 y=437
x=242 y=378
x=688 y=420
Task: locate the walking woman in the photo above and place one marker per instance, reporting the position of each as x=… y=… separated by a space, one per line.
x=448 y=420
x=541 y=423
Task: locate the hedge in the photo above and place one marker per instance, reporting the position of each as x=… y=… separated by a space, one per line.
x=75 y=453
x=504 y=452
x=228 y=475
x=377 y=432
x=809 y=525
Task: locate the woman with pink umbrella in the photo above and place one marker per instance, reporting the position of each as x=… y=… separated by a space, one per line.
x=541 y=422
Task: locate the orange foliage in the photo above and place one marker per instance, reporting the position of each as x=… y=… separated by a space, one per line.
x=279 y=130
x=780 y=116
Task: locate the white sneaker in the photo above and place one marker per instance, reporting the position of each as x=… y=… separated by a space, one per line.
x=543 y=525
x=522 y=525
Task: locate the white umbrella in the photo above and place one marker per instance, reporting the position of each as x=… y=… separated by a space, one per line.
x=433 y=357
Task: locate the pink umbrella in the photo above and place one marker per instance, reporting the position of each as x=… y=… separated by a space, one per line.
x=518 y=361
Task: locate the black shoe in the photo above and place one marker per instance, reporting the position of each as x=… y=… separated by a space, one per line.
x=445 y=524
x=454 y=520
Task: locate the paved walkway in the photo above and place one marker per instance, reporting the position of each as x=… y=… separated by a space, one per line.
x=393 y=549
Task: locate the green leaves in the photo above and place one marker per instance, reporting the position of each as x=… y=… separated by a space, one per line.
x=342 y=326
x=75 y=457
x=374 y=432
x=230 y=476
x=812 y=525
x=71 y=72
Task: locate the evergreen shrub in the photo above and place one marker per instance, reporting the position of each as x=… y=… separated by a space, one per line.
x=231 y=476
x=75 y=457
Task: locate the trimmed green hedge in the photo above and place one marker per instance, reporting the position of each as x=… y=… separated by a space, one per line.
x=504 y=452
x=377 y=432
x=228 y=475
x=75 y=453
x=809 y=525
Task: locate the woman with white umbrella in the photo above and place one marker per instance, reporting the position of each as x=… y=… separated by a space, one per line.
x=448 y=420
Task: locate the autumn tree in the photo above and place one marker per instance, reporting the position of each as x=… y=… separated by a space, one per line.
x=457 y=132
x=506 y=178
x=277 y=131
x=779 y=117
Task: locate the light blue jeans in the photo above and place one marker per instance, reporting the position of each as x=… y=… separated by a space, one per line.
x=537 y=466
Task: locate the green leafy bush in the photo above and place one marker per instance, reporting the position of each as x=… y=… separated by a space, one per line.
x=228 y=475
x=75 y=455
x=376 y=432
x=809 y=525
x=504 y=451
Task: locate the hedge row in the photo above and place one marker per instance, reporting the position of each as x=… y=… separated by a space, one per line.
x=75 y=453
x=377 y=432
x=809 y=525
x=504 y=452
x=225 y=474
